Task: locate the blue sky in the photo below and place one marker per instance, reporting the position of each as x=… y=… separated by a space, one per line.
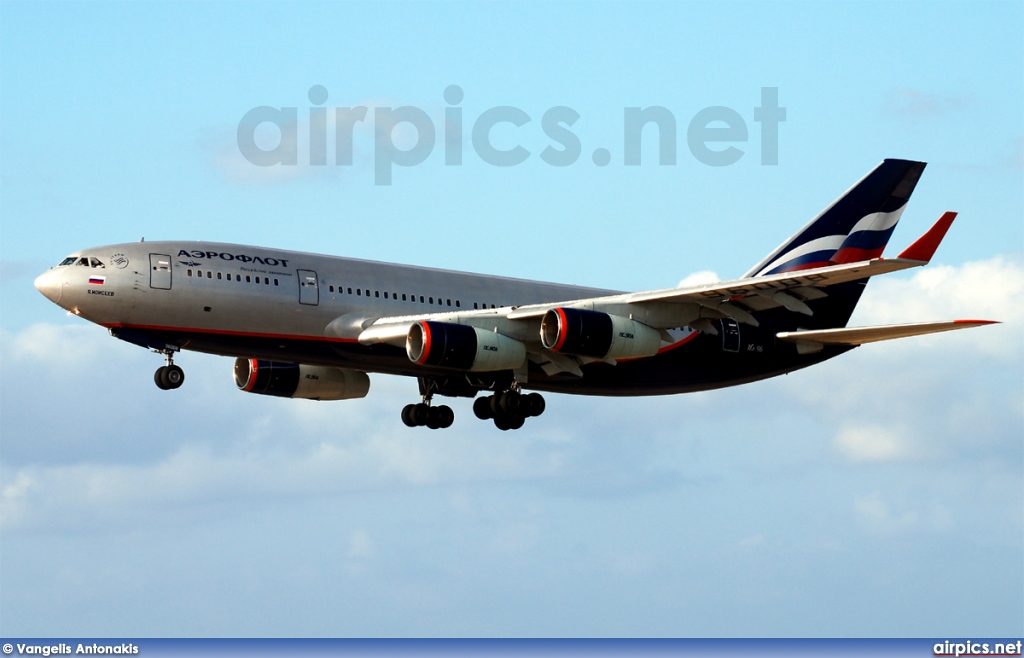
x=878 y=494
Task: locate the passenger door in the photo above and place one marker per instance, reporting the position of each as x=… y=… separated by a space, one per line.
x=309 y=292
x=160 y=271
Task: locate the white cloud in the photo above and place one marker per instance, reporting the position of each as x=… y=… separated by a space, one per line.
x=983 y=290
x=698 y=278
x=872 y=443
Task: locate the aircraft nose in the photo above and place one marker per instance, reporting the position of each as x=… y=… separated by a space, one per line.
x=49 y=283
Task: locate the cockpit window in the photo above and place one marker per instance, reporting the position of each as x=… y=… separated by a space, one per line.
x=69 y=260
x=95 y=262
x=83 y=261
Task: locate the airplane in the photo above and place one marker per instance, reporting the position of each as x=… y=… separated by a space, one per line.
x=311 y=326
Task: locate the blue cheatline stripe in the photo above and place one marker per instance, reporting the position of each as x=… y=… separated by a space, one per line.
x=356 y=648
x=813 y=257
x=869 y=239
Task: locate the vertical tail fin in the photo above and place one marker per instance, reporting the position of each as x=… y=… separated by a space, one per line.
x=855 y=227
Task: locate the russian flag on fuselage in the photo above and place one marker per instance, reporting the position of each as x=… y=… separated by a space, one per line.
x=97 y=280
x=857 y=225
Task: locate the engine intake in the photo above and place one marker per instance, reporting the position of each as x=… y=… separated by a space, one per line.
x=462 y=347
x=294 y=380
x=597 y=335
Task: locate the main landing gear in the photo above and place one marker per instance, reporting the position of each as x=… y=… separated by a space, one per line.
x=169 y=376
x=509 y=409
x=418 y=415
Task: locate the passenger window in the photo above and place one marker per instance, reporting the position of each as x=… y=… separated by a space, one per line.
x=421 y=299
x=275 y=282
x=449 y=302
x=247 y=279
x=458 y=304
x=190 y=272
x=376 y=293
x=431 y=300
x=199 y=273
x=238 y=277
x=209 y=274
x=385 y=295
x=331 y=288
x=350 y=291
x=359 y=292
x=474 y=305
x=403 y=297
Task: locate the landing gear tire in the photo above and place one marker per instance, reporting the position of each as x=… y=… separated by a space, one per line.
x=420 y=415
x=482 y=408
x=510 y=402
x=445 y=416
x=407 y=415
x=174 y=376
x=509 y=409
x=507 y=422
x=169 y=377
x=534 y=404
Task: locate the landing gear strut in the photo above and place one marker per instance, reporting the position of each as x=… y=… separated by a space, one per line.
x=169 y=376
x=509 y=409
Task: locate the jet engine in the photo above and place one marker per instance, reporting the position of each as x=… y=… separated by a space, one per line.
x=293 y=380
x=597 y=335
x=462 y=347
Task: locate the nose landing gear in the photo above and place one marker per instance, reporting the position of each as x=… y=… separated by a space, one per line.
x=169 y=376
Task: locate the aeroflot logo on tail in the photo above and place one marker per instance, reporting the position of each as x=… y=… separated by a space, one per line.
x=711 y=134
x=241 y=258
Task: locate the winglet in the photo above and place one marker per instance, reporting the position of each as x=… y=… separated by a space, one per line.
x=925 y=247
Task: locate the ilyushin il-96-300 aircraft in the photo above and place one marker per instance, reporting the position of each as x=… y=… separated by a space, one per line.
x=311 y=326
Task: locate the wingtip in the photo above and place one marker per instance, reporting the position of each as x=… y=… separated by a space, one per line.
x=924 y=248
x=976 y=323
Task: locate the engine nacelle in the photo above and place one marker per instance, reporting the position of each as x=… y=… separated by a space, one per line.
x=597 y=335
x=462 y=347
x=293 y=380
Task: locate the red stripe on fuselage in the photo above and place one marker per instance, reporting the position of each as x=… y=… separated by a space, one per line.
x=662 y=350
x=227 y=332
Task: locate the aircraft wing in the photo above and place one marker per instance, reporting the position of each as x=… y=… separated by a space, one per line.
x=737 y=298
x=813 y=341
x=672 y=312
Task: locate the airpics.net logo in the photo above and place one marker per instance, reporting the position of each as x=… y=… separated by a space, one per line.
x=715 y=136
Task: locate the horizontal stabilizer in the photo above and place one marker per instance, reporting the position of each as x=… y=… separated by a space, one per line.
x=813 y=340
